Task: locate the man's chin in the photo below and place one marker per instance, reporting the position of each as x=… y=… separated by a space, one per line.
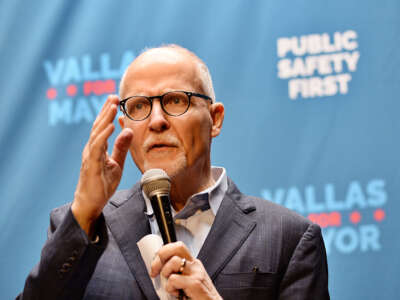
x=171 y=167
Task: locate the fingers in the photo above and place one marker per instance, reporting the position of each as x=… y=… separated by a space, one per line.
x=99 y=175
x=187 y=275
x=103 y=128
x=196 y=283
x=174 y=265
x=112 y=99
x=99 y=145
x=166 y=253
x=178 y=282
x=121 y=146
x=105 y=117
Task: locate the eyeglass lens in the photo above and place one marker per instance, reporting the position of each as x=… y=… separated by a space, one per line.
x=174 y=103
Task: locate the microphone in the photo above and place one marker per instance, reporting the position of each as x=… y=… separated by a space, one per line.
x=156 y=184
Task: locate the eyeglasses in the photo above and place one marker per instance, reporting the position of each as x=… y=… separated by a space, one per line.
x=173 y=103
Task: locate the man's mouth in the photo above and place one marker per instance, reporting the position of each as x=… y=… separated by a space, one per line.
x=160 y=146
x=167 y=142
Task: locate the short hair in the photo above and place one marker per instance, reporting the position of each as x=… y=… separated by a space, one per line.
x=202 y=69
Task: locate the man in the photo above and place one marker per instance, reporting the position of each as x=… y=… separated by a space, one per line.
x=246 y=248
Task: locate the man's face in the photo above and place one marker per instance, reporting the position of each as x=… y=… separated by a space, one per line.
x=174 y=144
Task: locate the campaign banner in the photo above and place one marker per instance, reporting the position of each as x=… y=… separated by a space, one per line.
x=310 y=90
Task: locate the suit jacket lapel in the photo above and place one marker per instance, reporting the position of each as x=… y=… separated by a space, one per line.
x=128 y=225
x=230 y=229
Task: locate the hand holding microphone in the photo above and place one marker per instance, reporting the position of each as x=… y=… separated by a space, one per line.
x=186 y=275
x=156 y=184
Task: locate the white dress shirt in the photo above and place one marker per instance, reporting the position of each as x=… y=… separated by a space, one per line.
x=194 y=221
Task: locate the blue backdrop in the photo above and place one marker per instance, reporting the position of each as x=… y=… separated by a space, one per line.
x=311 y=95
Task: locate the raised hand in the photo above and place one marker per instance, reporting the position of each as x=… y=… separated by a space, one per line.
x=184 y=272
x=100 y=173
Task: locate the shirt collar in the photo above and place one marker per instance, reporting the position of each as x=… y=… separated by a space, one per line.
x=208 y=198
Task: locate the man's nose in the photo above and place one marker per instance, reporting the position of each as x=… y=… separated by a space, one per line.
x=158 y=118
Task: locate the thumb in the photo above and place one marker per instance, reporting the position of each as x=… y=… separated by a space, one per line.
x=121 y=146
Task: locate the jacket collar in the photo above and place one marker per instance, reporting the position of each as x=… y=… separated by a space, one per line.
x=126 y=219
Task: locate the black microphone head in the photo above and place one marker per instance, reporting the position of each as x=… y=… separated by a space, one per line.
x=155 y=181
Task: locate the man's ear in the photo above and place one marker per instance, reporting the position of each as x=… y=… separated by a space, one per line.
x=121 y=121
x=217 y=112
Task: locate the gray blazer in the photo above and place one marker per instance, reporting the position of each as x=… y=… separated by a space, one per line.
x=255 y=250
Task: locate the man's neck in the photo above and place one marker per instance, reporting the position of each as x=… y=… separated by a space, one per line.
x=185 y=185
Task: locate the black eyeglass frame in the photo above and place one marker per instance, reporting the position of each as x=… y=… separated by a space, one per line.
x=151 y=98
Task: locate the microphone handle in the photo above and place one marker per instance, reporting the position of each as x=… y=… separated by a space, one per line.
x=162 y=210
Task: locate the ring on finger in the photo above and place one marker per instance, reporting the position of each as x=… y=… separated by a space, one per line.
x=183 y=264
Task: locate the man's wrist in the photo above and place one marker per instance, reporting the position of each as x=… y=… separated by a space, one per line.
x=85 y=220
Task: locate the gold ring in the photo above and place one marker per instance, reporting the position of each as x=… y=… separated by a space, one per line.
x=183 y=264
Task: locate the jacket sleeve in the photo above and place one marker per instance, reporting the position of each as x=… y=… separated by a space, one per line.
x=306 y=276
x=67 y=261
